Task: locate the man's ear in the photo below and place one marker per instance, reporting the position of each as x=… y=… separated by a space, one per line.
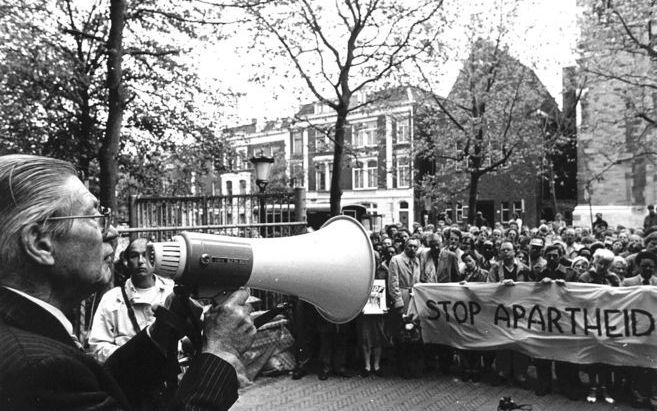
x=38 y=245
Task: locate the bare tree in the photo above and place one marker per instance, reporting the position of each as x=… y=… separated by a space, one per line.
x=347 y=48
x=490 y=123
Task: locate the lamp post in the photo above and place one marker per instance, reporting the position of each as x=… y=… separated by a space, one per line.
x=262 y=165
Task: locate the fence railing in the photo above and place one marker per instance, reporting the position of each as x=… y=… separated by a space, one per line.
x=243 y=215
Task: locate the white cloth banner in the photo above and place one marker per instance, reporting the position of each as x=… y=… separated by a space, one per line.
x=580 y=323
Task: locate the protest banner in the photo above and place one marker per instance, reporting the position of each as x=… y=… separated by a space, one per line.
x=575 y=322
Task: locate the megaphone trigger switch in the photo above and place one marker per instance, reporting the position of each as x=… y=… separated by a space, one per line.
x=205 y=259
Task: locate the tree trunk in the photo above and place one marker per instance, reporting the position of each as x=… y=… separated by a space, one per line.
x=475 y=164
x=472 y=197
x=116 y=104
x=85 y=136
x=553 y=190
x=338 y=150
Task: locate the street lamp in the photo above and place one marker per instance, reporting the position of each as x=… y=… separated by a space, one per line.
x=262 y=165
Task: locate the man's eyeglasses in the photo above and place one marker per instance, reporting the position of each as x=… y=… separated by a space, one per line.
x=104 y=215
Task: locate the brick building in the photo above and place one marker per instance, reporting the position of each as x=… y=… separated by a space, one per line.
x=522 y=183
x=616 y=172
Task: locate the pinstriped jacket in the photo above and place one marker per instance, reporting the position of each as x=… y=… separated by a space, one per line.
x=42 y=369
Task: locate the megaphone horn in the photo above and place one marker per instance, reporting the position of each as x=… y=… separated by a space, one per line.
x=332 y=268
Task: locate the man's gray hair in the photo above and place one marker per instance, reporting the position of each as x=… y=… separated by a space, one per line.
x=30 y=192
x=603 y=255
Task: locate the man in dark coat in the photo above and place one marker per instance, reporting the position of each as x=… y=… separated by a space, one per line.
x=651 y=218
x=55 y=250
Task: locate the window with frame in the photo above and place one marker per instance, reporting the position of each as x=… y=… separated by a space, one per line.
x=242 y=186
x=323 y=176
x=461 y=212
x=403 y=172
x=297 y=142
x=297 y=175
x=229 y=188
x=365 y=134
x=505 y=211
x=403 y=131
x=365 y=175
x=324 y=138
x=263 y=151
x=517 y=207
x=239 y=160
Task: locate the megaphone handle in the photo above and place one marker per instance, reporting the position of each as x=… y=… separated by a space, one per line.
x=267 y=316
x=186 y=322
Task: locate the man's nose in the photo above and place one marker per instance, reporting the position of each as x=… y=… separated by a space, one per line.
x=143 y=259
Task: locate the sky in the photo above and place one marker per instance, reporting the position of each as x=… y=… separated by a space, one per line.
x=543 y=37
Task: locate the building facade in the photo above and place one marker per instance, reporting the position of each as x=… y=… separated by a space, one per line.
x=616 y=113
x=377 y=177
x=380 y=169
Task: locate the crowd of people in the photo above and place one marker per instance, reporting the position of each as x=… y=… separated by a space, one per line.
x=506 y=254
x=57 y=248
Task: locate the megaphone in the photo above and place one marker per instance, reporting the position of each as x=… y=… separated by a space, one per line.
x=332 y=268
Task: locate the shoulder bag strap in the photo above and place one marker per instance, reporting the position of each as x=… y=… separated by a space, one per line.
x=131 y=311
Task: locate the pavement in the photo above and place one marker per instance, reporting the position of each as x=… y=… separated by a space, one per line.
x=430 y=392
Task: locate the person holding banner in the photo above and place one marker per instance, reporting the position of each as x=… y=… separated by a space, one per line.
x=650 y=245
x=642 y=380
x=510 y=365
x=579 y=266
x=536 y=261
x=600 y=374
x=470 y=359
x=646 y=274
x=567 y=373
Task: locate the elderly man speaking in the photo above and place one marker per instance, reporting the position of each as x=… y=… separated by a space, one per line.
x=55 y=250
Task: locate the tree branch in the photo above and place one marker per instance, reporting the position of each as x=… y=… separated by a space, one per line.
x=136 y=52
x=651 y=51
